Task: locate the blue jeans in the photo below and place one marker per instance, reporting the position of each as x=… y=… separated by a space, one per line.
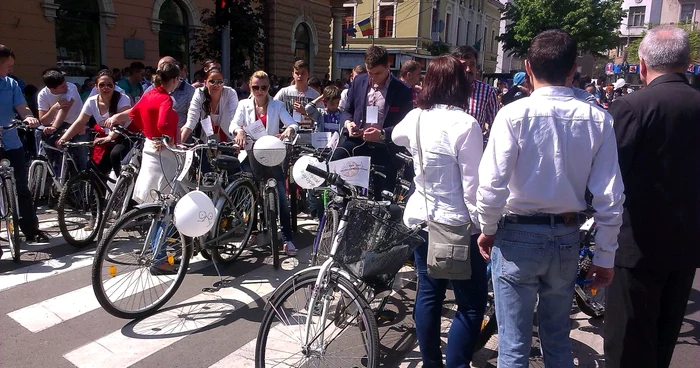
x=470 y=296
x=527 y=261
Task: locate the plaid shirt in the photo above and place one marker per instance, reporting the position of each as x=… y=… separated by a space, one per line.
x=483 y=104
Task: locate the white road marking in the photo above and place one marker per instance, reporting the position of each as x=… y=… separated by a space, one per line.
x=47 y=268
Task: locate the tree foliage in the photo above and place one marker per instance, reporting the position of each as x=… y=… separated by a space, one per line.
x=693 y=37
x=247 y=37
x=592 y=23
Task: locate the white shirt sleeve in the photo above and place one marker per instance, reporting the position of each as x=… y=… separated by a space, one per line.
x=468 y=150
x=42 y=100
x=495 y=170
x=124 y=101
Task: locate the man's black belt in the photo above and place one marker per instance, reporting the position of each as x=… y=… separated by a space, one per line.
x=570 y=219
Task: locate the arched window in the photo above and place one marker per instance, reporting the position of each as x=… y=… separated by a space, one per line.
x=78 y=37
x=302 y=36
x=173 y=38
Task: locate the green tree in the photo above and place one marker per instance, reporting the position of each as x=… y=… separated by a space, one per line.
x=247 y=37
x=693 y=36
x=592 y=23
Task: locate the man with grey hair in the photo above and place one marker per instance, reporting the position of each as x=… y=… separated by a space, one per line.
x=657 y=131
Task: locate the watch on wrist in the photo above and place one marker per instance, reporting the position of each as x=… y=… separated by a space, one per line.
x=382 y=136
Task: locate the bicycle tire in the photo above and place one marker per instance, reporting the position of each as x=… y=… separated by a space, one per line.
x=11 y=214
x=271 y=222
x=336 y=281
x=64 y=202
x=128 y=219
x=220 y=255
x=116 y=201
x=328 y=227
x=36 y=176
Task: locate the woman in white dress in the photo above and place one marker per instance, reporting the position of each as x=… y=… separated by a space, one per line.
x=101 y=106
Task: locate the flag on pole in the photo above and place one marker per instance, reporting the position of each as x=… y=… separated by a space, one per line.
x=351 y=32
x=365 y=27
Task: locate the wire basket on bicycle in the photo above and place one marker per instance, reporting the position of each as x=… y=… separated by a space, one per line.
x=374 y=243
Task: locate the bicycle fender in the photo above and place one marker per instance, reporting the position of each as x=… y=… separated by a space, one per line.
x=313 y=269
x=148 y=205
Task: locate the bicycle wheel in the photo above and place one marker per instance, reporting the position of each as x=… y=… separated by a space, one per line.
x=271 y=223
x=236 y=221
x=346 y=337
x=328 y=227
x=80 y=210
x=37 y=177
x=123 y=277
x=11 y=213
x=117 y=202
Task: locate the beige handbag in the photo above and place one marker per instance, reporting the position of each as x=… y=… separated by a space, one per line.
x=448 y=245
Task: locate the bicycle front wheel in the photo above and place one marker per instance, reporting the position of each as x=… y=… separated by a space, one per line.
x=343 y=333
x=37 y=177
x=11 y=213
x=80 y=210
x=129 y=275
x=270 y=204
x=328 y=227
x=235 y=220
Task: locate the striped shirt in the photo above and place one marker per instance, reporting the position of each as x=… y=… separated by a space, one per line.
x=483 y=103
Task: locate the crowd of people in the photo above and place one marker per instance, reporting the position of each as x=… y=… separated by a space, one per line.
x=551 y=153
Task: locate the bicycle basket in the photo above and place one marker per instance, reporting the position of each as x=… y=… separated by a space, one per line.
x=371 y=244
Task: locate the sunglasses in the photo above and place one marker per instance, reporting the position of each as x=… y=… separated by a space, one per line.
x=218 y=82
x=260 y=88
x=108 y=85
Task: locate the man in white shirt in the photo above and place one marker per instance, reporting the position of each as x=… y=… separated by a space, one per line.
x=544 y=151
x=59 y=105
x=298 y=95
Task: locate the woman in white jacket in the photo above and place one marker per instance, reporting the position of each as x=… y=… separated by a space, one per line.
x=212 y=106
x=271 y=113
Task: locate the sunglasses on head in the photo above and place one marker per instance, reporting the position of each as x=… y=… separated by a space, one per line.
x=260 y=88
x=218 y=82
x=108 y=85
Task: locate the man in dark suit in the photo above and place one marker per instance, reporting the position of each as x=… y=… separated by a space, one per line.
x=377 y=101
x=658 y=138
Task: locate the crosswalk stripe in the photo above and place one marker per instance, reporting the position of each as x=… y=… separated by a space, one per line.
x=118 y=350
x=50 y=312
x=47 y=268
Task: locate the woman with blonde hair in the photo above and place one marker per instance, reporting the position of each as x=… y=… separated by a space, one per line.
x=271 y=113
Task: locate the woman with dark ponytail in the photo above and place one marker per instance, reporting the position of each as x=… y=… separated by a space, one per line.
x=213 y=105
x=155 y=117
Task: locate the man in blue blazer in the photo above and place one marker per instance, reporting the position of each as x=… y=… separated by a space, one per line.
x=377 y=101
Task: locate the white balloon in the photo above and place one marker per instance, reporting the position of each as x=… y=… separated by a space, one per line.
x=269 y=151
x=304 y=178
x=194 y=214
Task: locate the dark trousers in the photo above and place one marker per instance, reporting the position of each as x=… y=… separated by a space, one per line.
x=29 y=222
x=644 y=316
x=380 y=155
x=113 y=159
x=470 y=296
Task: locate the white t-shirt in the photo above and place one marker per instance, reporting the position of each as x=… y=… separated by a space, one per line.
x=92 y=109
x=45 y=99
x=95 y=91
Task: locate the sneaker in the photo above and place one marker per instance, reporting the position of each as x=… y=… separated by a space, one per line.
x=290 y=249
x=163 y=269
x=39 y=237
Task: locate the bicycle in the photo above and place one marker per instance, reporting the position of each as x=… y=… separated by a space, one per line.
x=120 y=199
x=146 y=237
x=381 y=247
x=41 y=170
x=8 y=195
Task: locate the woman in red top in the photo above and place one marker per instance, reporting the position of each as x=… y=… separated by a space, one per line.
x=155 y=117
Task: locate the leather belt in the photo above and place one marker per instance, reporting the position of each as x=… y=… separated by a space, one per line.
x=568 y=219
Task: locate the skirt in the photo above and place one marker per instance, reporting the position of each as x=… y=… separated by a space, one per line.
x=157 y=173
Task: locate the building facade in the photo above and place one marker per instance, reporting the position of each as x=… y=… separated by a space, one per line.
x=297 y=30
x=681 y=12
x=408 y=29
x=79 y=36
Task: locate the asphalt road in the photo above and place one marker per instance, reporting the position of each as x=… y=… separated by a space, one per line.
x=49 y=316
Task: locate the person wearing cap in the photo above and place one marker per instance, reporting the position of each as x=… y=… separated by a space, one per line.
x=519 y=90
